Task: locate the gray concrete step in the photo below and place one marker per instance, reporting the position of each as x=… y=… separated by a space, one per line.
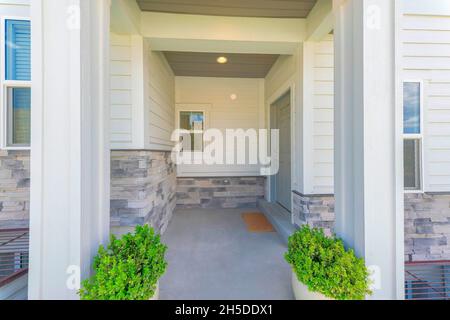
x=279 y=217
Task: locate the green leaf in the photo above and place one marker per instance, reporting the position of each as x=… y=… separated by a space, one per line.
x=128 y=269
x=323 y=264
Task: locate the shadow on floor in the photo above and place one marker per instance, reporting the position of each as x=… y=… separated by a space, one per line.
x=212 y=256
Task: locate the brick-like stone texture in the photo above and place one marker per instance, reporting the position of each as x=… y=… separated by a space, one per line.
x=427 y=222
x=235 y=192
x=14 y=189
x=143 y=188
x=314 y=211
x=427 y=227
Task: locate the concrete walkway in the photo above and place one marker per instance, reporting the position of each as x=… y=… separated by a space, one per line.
x=212 y=256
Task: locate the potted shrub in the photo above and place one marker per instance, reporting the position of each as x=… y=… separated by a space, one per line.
x=128 y=269
x=323 y=269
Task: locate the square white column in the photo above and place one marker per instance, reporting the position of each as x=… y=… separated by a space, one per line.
x=69 y=216
x=368 y=139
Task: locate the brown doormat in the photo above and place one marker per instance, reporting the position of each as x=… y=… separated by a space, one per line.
x=257 y=222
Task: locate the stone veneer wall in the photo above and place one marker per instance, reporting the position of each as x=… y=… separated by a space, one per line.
x=427 y=227
x=143 y=189
x=235 y=192
x=14 y=189
x=427 y=222
x=314 y=210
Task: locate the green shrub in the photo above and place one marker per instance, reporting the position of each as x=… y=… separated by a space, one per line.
x=129 y=269
x=324 y=266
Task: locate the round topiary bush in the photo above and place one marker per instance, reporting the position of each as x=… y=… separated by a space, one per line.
x=324 y=266
x=129 y=269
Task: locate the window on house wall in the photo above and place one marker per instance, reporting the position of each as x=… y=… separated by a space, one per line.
x=16 y=84
x=194 y=123
x=413 y=135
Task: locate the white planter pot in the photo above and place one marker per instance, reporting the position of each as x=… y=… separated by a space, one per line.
x=301 y=291
x=156 y=295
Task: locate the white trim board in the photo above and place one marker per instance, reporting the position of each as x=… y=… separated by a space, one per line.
x=421 y=7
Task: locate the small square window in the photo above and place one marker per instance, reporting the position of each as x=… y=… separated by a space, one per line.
x=191 y=120
x=412 y=164
x=18 y=117
x=194 y=122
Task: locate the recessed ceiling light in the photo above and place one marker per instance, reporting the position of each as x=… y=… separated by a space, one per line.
x=222 y=60
x=233 y=97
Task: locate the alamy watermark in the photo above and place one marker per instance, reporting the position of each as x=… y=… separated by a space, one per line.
x=228 y=147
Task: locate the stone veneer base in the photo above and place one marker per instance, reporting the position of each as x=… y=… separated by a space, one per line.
x=427 y=227
x=316 y=211
x=143 y=191
x=233 y=192
x=427 y=222
x=14 y=189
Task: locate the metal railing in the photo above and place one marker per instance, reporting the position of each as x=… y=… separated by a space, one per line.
x=14 y=254
x=427 y=280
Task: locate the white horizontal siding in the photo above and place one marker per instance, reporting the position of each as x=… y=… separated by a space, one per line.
x=430 y=8
x=426 y=57
x=14 y=8
x=159 y=101
x=246 y=112
x=323 y=128
x=121 y=92
x=225 y=114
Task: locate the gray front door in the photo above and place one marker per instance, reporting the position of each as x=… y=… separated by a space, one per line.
x=283 y=178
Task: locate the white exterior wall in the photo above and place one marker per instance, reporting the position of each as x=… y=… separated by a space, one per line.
x=311 y=72
x=246 y=112
x=425 y=47
x=121 y=91
x=142 y=95
x=323 y=105
x=426 y=57
x=15 y=8
x=159 y=100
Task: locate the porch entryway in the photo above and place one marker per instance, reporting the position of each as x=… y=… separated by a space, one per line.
x=141 y=112
x=212 y=255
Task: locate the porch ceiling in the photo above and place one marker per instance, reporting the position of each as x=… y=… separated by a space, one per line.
x=199 y=64
x=234 y=8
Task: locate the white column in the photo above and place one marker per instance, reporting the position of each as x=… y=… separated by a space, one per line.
x=70 y=152
x=368 y=124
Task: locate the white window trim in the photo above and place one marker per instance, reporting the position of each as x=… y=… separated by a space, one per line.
x=419 y=137
x=4 y=84
x=205 y=109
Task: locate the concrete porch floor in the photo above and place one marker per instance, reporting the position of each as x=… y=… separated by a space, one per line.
x=212 y=256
